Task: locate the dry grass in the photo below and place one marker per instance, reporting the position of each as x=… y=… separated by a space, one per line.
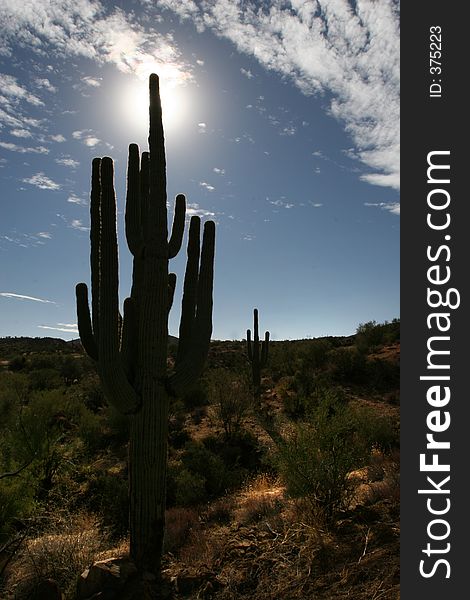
x=59 y=554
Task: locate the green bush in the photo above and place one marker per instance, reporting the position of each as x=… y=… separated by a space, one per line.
x=316 y=457
x=347 y=365
x=107 y=496
x=230 y=400
x=16 y=503
x=190 y=488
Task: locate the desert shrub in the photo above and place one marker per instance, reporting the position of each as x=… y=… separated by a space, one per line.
x=91 y=392
x=372 y=334
x=230 y=400
x=178 y=436
x=195 y=397
x=17 y=363
x=117 y=426
x=107 y=497
x=179 y=523
x=44 y=379
x=190 y=488
x=16 y=504
x=200 y=461
x=379 y=431
x=382 y=374
x=318 y=454
x=70 y=370
x=242 y=450
x=347 y=365
x=59 y=554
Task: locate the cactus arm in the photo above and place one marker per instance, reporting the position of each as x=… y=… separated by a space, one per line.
x=144 y=192
x=133 y=202
x=171 y=289
x=264 y=350
x=177 y=229
x=188 y=304
x=129 y=346
x=190 y=365
x=113 y=376
x=248 y=345
x=85 y=329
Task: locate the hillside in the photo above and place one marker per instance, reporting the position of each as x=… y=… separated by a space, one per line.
x=254 y=507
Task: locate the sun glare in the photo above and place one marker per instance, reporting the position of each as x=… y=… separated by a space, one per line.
x=135 y=104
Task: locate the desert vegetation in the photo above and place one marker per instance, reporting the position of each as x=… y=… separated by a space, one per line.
x=134 y=465
x=294 y=496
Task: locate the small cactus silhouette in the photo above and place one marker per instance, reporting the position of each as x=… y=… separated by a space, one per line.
x=257 y=356
x=131 y=351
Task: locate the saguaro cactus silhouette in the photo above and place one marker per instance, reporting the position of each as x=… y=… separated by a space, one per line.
x=131 y=351
x=256 y=355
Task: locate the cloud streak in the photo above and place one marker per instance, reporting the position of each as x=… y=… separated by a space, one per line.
x=348 y=52
x=65 y=327
x=23 y=297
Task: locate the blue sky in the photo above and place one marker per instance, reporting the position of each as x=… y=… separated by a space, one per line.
x=282 y=125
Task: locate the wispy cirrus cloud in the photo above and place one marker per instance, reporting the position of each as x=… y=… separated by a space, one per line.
x=13 y=296
x=392 y=207
x=65 y=327
x=349 y=51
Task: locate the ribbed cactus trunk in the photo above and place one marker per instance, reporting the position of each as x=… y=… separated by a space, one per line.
x=131 y=351
x=258 y=356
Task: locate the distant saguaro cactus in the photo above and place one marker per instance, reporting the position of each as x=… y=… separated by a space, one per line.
x=131 y=351
x=256 y=355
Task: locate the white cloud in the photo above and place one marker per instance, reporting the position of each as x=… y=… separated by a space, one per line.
x=202 y=127
x=247 y=73
x=46 y=84
x=349 y=50
x=10 y=88
x=77 y=224
x=219 y=171
x=45 y=234
x=92 y=81
x=21 y=133
x=23 y=297
x=281 y=203
x=65 y=327
x=87 y=137
x=195 y=210
x=393 y=207
x=207 y=186
x=86 y=28
x=23 y=149
x=59 y=138
x=67 y=162
x=42 y=182
x=75 y=200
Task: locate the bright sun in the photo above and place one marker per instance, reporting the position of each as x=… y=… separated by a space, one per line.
x=135 y=104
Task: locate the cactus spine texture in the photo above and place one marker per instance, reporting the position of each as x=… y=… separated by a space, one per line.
x=131 y=351
x=256 y=355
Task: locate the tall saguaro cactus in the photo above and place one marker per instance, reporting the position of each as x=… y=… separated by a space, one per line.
x=131 y=351
x=256 y=355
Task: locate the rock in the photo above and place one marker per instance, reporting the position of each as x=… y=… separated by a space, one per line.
x=105 y=579
x=48 y=590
